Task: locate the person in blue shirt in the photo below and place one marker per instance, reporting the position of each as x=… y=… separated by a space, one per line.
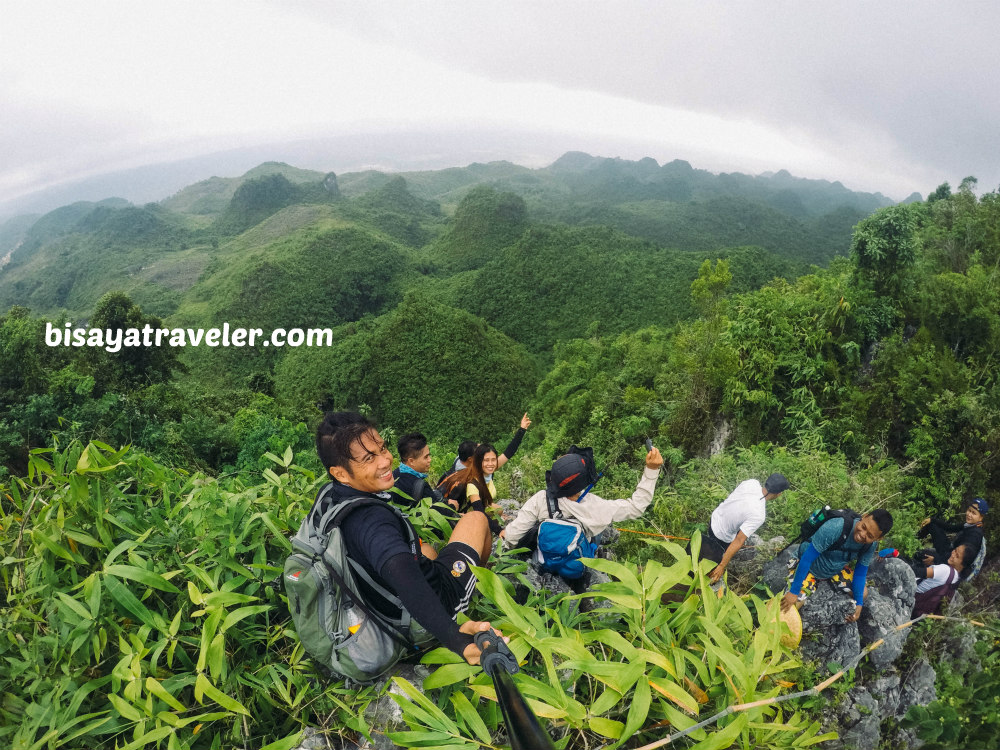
x=828 y=552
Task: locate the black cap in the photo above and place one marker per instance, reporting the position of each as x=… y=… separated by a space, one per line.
x=776 y=484
x=570 y=474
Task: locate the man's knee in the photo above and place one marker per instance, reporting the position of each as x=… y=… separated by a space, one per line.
x=473 y=529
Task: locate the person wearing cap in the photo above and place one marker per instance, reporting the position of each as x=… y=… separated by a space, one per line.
x=570 y=476
x=736 y=518
x=969 y=534
x=830 y=553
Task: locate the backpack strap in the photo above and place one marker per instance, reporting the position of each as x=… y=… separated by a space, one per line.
x=552 y=503
x=334 y=516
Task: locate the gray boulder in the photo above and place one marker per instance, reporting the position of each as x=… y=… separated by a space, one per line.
x=858 y=720
x=891 y=589
x=774 y=572
x=826 y=635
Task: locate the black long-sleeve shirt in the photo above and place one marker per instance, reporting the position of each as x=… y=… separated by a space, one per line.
x=375 y=538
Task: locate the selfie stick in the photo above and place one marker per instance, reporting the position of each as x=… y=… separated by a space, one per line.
x=499 y=663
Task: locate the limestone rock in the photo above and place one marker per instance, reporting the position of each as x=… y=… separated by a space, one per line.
x=858 y=720
x=385 y=713
x=775 y=571
x=827 y=637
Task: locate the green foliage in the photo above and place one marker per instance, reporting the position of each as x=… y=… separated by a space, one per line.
x=139 y=611
x=555 y=282
x=424 y=366
x=965 y=713
x=633 y=665
x=130 y=367
x=884 y=248
x=485 y=222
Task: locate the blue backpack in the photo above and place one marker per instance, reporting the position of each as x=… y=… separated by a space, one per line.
x=562 y=544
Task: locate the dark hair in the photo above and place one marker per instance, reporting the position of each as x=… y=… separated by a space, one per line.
x=883 y=519
x=410 y=445
x=335 y=435
x=465 y=450
x=969 y=555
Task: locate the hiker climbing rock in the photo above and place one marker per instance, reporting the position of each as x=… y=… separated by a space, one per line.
x=841 y=540
x=736 y=518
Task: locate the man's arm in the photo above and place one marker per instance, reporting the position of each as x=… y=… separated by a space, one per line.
x=635 y=506
x=515 y=443
x=734 y=546
x=858 y=588
x=808 y=558
x=527 y=516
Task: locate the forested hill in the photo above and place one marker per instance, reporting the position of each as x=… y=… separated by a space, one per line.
x=64 y=260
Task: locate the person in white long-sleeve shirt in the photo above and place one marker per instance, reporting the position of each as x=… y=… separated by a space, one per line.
x=593 y=513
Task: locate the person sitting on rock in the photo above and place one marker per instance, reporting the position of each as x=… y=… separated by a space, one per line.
x=411 y=474
x=829 y=551
x=938 y=582
x=969 y=534
x=569 y=477
x=472 y=488
x=736 y=518
x=467 y=447
x=433 y=587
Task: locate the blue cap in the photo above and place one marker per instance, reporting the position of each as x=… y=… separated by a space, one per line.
x=979 y=504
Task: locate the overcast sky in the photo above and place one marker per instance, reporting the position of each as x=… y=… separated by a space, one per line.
x=893 y=96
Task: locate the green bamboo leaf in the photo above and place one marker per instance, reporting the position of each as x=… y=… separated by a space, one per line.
x=140 y=575
x=175 y=624
x=75 y=606
x=216 y=655
x=226 y=599
x=616 y=569
x=94 y=598
x=207 y=689
x=123 y=707
x=607 y=700
x=449 y=674
x=681 y=721
x=154 y=687
x=82 y=538
x=128 y=601
x=271 y=477
x=637 y=711
x=441 y=740
x=238 y=614
x=615 y=640
x=438 y=718
x=271 y=457
x=724 y=737
x=470 y=717
x=55 y=548
x=208 y=630
x=292 y=740
x=607 y=727
x=118 y=549
x=442 y=655
x=522 y=618
x=154 y=735
x=288 y=456
x=676 y=693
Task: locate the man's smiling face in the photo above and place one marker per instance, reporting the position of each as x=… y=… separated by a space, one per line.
x=371 y=464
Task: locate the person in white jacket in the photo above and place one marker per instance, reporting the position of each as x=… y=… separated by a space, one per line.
x=571 y=475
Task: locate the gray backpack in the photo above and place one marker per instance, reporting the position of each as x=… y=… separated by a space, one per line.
x=339 y=630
